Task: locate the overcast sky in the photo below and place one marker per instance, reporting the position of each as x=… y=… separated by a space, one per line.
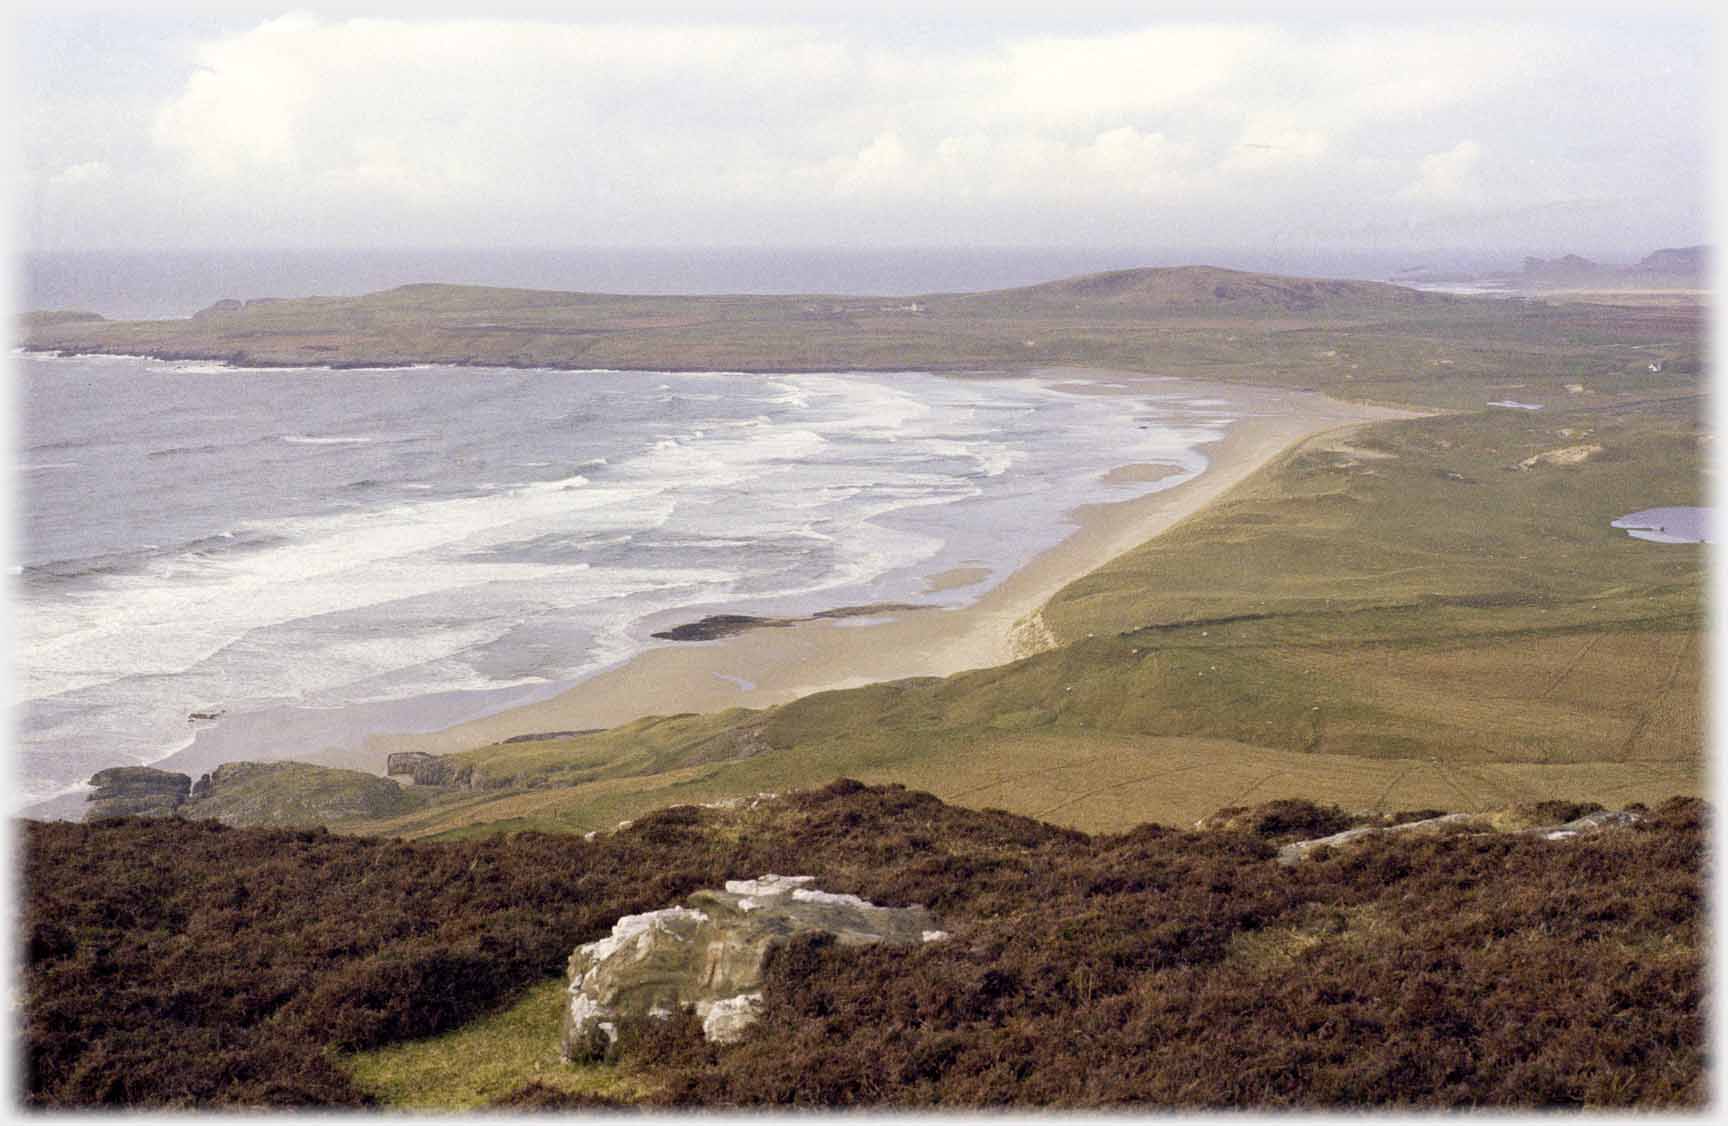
x=656 y=125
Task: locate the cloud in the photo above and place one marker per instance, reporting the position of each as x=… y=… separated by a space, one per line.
x=303 y=128
x=1120 y=78
x=84 y=172
x=1450 y=179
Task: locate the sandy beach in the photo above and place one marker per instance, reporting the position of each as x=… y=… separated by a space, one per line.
x=764 y=667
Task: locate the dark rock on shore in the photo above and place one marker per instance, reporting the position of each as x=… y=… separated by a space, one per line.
x=716 y=626
x=721 y=625
x=136 y=791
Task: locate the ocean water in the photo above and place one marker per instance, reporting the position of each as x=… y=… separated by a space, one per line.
x=197 y=538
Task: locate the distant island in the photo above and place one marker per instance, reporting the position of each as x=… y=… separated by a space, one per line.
x=1686 y=267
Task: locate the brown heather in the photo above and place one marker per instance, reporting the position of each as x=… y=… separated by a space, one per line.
x=189 y=965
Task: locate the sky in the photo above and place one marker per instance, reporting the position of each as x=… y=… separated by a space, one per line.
x=644 y=124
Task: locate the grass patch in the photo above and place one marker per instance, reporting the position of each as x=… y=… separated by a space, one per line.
x=1281 y=949
x=485 y=1061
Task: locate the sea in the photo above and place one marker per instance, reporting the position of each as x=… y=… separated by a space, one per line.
x=315 y=546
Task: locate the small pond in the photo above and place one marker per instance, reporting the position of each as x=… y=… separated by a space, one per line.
x=1668 y=525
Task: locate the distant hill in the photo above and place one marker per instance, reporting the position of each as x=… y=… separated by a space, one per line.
x=1563 y=271
x=1685 y=261
x=45 y=318
x=1212 y=287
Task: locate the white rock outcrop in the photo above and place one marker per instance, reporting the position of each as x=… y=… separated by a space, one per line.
x=1298 y=851
x=709 y=956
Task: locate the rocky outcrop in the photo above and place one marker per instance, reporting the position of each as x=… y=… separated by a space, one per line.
x=247 y=794
x=291 y=794
x=226 y=305
x=136 y=791
x=1589 y=823
x=1565 y=455
x=404 y=762
x=438 y=771
x=709 y=954
x=1298 y=851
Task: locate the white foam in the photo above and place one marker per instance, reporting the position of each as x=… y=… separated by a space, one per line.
x=313 y=440
x=194 y=367
x=352 y=439
x=184 y=610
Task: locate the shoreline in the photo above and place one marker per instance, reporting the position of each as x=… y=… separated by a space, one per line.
x=241 y=361
x=763 y=668
x=760 y=668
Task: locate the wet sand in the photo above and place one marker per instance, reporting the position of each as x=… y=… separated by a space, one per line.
x=1139 y=473
x=955 y=578
x=761 y=668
